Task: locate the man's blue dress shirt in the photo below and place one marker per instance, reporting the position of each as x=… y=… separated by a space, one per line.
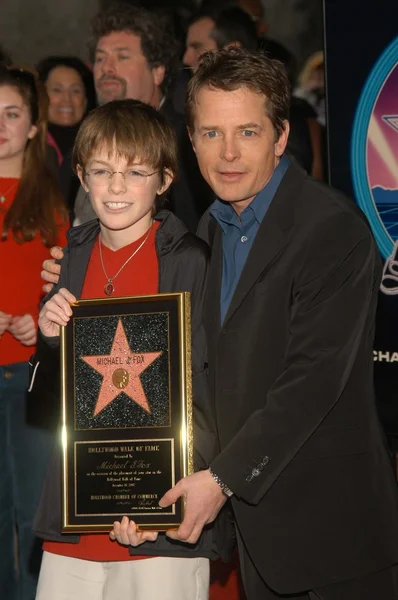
x=238 y=233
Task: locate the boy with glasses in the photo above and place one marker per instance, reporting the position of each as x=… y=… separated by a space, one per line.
x=125 y=157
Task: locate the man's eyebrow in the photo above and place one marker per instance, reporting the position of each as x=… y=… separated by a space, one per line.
x=249 y=126
x=208 y=128
x=243 y=126
x=12 y=106
x=121 y=49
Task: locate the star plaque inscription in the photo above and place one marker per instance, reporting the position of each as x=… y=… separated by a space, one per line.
x=127 y=410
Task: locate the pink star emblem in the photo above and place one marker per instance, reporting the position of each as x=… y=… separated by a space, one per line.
x=121 y=370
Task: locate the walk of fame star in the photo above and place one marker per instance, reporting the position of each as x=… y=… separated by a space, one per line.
x=121 y=370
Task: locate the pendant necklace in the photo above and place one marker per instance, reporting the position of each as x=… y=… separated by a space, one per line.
x=109 y=288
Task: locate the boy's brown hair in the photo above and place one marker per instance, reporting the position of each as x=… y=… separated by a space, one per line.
x=131 y=130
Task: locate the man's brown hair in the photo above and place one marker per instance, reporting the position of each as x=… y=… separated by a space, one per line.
x=131 y=130
x=235 y=68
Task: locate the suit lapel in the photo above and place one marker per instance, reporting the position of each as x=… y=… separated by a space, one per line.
x=271 y=238
x=212 y=313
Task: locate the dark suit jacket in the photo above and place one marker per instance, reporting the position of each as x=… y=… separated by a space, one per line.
x=291 y=380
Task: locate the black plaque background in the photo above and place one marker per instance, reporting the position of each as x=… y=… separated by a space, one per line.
x=145 y=333
x=119 y=430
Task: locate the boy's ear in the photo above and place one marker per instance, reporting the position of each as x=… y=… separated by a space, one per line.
x=80 y=174
x=168 y=178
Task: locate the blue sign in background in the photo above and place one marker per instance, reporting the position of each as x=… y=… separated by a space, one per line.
x=361 y=48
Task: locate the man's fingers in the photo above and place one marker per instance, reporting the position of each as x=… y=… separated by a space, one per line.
x=185 y=530
x=46 y=276
x=47 y=287
x=56 y=252
x=171 y=496
x=148 y=536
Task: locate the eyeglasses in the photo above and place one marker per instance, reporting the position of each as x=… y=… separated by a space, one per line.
x=132 y=178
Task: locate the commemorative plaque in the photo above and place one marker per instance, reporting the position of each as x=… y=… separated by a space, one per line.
x=126 y=411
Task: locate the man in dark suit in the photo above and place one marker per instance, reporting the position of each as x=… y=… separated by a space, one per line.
x=291 y=299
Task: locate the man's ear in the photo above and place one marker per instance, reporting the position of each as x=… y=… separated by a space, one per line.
x=281 y=143
x=80 y=174
x=158 y=75
x=168 y=179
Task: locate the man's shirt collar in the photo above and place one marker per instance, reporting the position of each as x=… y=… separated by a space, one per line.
x=225 y=215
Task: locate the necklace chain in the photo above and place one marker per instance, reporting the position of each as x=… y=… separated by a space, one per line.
x=109 y=287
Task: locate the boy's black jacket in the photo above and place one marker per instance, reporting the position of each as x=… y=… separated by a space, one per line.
x=183 y=260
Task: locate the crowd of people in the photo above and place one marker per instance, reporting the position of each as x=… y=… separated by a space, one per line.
x=197 y=168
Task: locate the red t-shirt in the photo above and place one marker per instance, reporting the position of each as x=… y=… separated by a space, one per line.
x=139 y=277
x=20 y=281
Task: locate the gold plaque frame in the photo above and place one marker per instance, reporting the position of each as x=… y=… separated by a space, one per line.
x=126 y=393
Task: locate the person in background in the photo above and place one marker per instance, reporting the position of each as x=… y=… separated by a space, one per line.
x=134 y=56
x=311 y=84
x=70 y=88
x=32 y=218
x=310 y=89
x=305 y=138
x=215 y=29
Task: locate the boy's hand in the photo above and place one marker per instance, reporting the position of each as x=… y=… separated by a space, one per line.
x=56 y=312
x=51 y=269
x=126 y=533
x=23 y=328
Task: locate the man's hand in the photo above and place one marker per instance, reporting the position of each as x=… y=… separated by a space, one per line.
x=203 y=501
x=5 y=321
x=51 y=270
x=126 y=533
x=23 y=329
x=56 y=312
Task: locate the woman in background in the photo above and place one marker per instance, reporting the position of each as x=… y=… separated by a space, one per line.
x=70 y=88
x=32 y=218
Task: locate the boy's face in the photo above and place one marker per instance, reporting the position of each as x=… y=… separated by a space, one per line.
x=122 y=204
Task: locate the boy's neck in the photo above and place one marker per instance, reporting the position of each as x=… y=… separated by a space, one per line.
x=116 y=239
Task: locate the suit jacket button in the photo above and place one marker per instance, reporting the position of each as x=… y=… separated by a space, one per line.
x=265 y=461
x=249 y=478
x=255 y=472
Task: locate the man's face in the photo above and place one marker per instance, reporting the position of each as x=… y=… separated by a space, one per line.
x=199 y=41
x=122 y=71
x=235 y=144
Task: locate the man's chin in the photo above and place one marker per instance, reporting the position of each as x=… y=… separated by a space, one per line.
x=105 y=96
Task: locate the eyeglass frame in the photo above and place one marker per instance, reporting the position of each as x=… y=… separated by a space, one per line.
x=123 y=174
